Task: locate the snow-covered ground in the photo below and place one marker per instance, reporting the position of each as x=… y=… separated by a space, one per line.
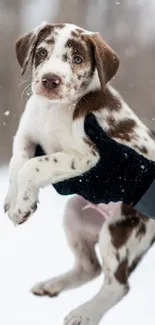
x=37 y=250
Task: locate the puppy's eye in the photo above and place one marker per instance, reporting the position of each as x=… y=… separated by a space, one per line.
x=42 y=53
x=77 y=59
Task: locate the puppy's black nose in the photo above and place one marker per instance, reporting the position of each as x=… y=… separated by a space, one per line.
x=51 y=81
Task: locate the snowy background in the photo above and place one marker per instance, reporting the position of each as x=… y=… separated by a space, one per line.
x=37 y=250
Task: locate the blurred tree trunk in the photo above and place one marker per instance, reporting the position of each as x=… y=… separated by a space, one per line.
x=9 y=93
x=74 y=12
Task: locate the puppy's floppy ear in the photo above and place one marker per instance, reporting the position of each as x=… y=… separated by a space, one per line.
x=106 y=60
x=24 y=49
x=25 y=46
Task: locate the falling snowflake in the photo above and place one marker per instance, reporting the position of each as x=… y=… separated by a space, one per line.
x=142 y=166
x=117 y=2
x=7 y=113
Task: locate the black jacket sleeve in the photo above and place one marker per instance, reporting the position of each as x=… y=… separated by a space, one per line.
x=121 y=174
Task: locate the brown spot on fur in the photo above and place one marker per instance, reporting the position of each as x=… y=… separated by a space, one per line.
x=50 y=41
x=122 y=129
x=122 y=230
x=37 y=170
x=77 y=47
x=110 y=120
x=91 y=145
x=65 y=57
x=43 y=35
x=83 y=49
x=46 y=31
x=94 y=101
x=127 y=210
x=73 y=164
x=46 y=158
x=93 y=153
x=142 y=149
x=121 y=273
x=25 y=49
x=77 y=32
x=55 y=160
x=112 y=103
x=117 y=256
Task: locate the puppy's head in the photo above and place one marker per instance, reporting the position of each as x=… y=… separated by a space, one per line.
x=66 y=61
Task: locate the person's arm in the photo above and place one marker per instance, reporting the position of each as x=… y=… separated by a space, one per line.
x=146 y=204
x=121 y=174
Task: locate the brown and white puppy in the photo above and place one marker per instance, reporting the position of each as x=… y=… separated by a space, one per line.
x=71 y=68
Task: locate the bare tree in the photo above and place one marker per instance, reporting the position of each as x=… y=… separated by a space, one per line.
x=9 y=94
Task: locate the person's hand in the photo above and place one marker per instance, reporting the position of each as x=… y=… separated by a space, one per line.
x=120 y=175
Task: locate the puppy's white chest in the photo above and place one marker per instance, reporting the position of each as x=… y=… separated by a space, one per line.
x=55 y=130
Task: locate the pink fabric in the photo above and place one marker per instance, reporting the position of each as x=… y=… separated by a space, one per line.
x=105 y=209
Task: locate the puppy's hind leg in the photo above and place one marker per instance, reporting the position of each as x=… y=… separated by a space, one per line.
x=82 y=228
x=114 y=288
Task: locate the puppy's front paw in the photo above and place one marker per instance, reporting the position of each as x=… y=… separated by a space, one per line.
x=21 y=215
x=25 y=206
x=50 y=288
